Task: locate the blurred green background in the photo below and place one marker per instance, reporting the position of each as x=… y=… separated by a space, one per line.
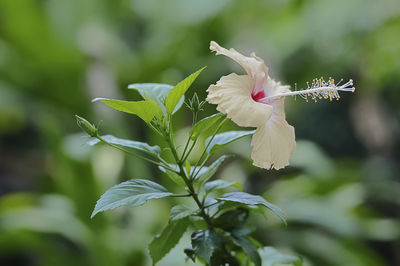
x=341 y=193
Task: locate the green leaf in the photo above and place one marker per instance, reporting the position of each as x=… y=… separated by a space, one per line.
x=190 y=253
x=220 y=184
x=181 y=211
x=137 y=145
x=212 y=203
x=231 y=219
x=204 y=124
x=225 y=138
x=210 y=171
x=192 y=169
x=230 y=205
x=224 y=206
x=249 y=249
x=176 y=93
x=134 y=192
x=167 y=240
x=249 y=199
x=205 y=242
x=146 y=110
x=177 y=179
x=157 y=92
x=271 y=256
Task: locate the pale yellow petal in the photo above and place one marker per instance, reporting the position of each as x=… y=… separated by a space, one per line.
x=232 y=97
x=253 y=65
x=271 y=87
x=274 y=142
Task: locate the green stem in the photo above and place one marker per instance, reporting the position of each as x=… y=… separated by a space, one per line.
x=184 y=157
x=154 y=129
x=187 y=181
x=190 y=150
x=205 y=150
x=184 y=150
x=207 y=206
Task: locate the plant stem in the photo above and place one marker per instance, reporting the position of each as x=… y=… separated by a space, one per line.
x=186 y=179
x=184 y=156
x=189 y=151
x=192 y=176
x=184 y=150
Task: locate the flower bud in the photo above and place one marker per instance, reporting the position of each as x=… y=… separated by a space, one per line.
x=86 y=126
x=195 y=105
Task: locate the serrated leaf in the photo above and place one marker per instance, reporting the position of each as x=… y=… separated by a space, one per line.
x=230 y=205
x=225 y=138
x=210 y=171
x=249 y=249
x=137 y=145
x=146 y=110
x=249 y=199
x=190 y=253
x=157 y=92
x=205 y=243
x=179 y=90
x=231 y=219
x=273 y=257
x=181 y=211
x=204 y=124
x=167 y=240
x=134 y=192
x=220 y=184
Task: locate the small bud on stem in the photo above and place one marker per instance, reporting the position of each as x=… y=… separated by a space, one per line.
x=86 y=126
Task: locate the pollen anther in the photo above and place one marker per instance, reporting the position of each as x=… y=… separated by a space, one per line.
x=319 y=89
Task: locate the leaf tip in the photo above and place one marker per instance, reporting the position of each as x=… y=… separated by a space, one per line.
x=98 y=99
x=93 y=214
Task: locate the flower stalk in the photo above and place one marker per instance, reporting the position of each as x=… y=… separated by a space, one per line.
x=188 y=181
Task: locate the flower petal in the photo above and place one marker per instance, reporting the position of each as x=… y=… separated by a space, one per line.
x=271 y=88
x=253 y=65
x=233 y=99
x=274 y=142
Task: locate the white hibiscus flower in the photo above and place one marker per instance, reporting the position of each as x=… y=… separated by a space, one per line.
x=256 y=100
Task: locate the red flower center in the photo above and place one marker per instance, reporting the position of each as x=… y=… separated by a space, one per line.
x=257 y=96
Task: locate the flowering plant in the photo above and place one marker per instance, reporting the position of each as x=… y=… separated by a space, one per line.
x=221 y=235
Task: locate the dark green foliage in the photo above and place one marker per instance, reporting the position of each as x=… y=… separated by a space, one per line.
x=231 y=220
x=219 y=185
x=205 y=243
x=248 y=199
x=167 y=239
x=181 y=211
